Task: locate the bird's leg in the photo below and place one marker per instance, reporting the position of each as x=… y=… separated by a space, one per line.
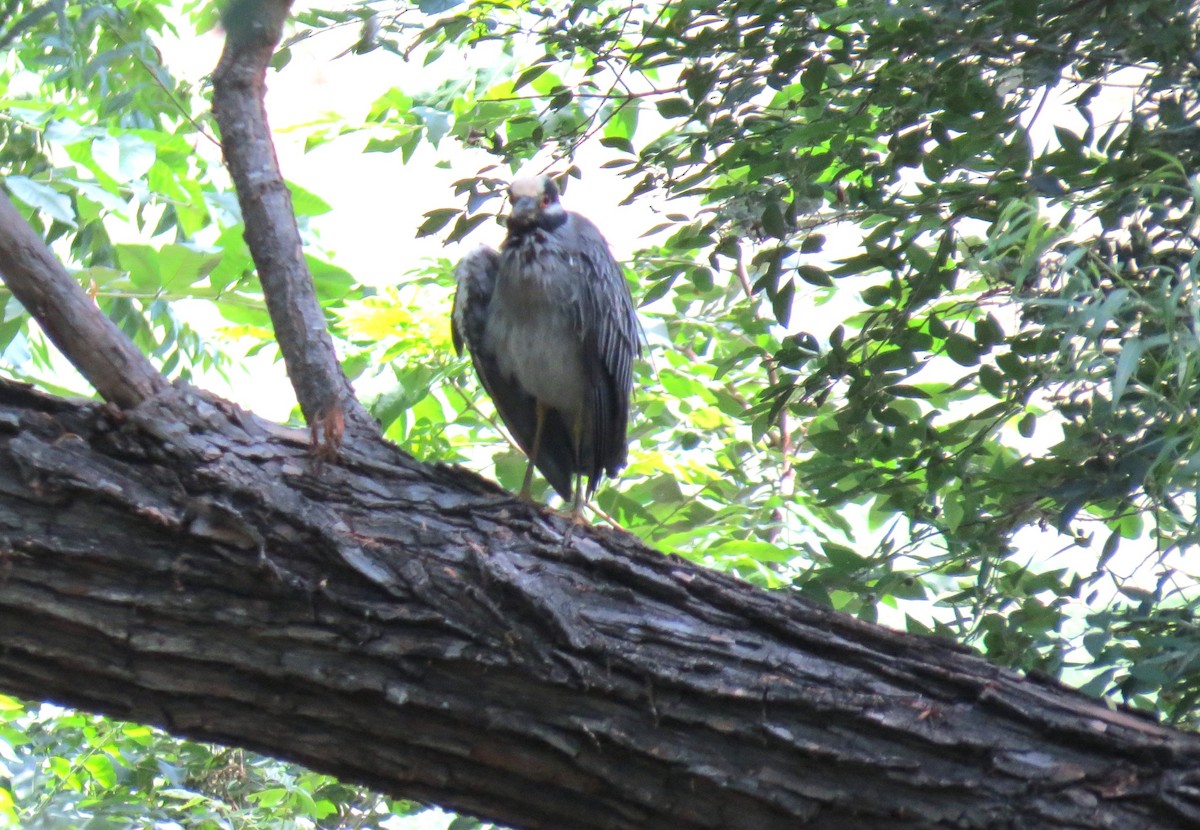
x=540 y=419
x=577 y=505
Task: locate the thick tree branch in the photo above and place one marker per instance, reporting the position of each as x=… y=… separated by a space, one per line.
x=253 y=29
x=407 y=627
x=92 y=342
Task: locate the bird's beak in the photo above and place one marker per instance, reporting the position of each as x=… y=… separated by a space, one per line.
x=524 y=210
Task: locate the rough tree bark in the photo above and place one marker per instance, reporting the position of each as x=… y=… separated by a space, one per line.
x=410 y=627
x=70 y=319
x=179 y=562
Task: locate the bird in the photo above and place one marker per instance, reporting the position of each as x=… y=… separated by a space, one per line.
x=551 y=328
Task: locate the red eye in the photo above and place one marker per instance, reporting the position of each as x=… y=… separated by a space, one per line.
x=545 y=201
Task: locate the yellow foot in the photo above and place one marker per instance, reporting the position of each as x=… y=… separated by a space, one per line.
x=575 y=519
x=574 y=516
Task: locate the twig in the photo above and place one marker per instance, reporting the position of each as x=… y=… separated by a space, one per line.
x=253 y=30
x=92 y=342
x=787 y=473
x=157 y=81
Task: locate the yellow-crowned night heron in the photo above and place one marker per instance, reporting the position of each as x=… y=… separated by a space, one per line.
x=552 y=332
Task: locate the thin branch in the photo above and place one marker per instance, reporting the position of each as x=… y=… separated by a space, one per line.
x=787 y=474
x=92 y=342
x=183 y=111
x=619 y=80
x=253 y=30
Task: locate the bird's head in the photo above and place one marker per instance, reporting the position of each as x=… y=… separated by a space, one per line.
x=534 y=204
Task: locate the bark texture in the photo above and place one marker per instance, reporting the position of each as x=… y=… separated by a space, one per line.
x=253 y=29
x=412 y=628
x=91 y=341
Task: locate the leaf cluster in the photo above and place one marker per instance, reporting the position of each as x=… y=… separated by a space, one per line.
x=927 y=293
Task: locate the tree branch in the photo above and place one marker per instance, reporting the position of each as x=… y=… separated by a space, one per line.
x=403 y=626
x=95 y=346
x=253 y=28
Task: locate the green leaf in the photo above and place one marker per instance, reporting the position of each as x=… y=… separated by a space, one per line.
x=992 y=381
x=101 y=768
x=702 y=278
x=813 y=275
x=658 y=290
x=903 y=390
x=333 y=284
x=962 y=349
x=142 y=263
x=773 y=221
x=529 y=75
x=988 y=331
x=876 y=295
x=269 y=797
x=623 y=123
x=307 y=203
x=781 y=302
x=674 y=108
x=953 y=512
x=464 y=225
x=42 y=197
x=435 y=220
x=1068 y=140
x=390 y=144
x=1127 y=363
x=181 y=266
x=123 y=157
x=843 y=558
x=813 y=76
x=617 y=143
x=436 y=121
x=812 y=243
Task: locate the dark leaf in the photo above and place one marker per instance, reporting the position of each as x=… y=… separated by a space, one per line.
x=435 y=220
x=674 y=108
x=813 y=275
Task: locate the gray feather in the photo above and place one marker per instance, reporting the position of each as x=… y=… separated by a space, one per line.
x=476 y=278
x=550 y=318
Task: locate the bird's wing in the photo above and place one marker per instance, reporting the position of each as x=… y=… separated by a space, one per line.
x=610 y=342
x=476 y=277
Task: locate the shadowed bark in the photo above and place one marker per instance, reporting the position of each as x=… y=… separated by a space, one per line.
x=409 y=627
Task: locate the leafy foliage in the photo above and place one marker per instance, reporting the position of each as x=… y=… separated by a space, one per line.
x=920 y=297
x=910 y=309
x=72 y=770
